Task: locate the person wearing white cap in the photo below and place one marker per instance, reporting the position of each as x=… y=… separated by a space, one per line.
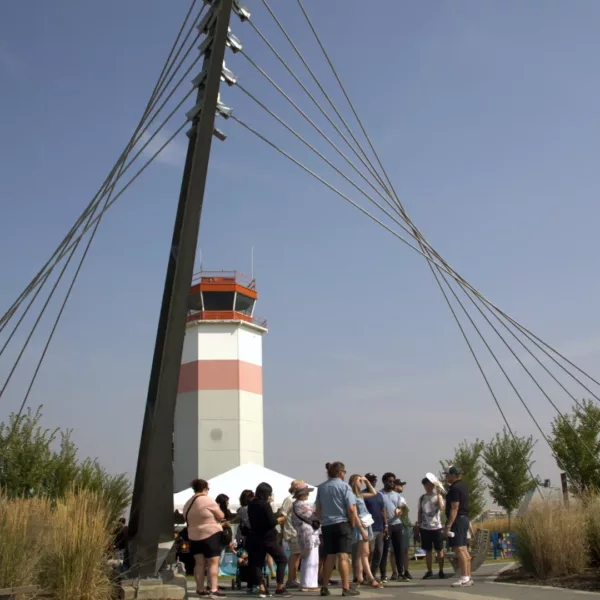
x=431 y=505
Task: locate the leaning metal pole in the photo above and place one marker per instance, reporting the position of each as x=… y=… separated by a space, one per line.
x=151 y=522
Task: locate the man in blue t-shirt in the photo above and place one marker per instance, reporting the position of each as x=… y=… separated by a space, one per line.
x=376 y=507
x=336 y=509
x=393 y=503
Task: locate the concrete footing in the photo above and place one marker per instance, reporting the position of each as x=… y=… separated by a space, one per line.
x=169 y=587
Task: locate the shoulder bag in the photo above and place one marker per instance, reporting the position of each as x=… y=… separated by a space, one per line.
x=367 y=520
x=183 y=534
x=314 y=523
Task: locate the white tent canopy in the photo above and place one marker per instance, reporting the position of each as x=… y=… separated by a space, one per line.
x=234 y=482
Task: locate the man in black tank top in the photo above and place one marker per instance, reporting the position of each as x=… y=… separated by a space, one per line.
x=457 y=524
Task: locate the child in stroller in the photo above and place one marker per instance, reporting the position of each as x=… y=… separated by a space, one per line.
x=243 y=571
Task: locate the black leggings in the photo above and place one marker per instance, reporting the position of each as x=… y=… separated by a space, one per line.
x=257 y=554
x=395 y=538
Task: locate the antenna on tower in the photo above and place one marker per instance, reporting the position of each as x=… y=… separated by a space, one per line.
x=252 y=263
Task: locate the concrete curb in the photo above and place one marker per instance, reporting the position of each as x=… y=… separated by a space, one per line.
x=493 y=580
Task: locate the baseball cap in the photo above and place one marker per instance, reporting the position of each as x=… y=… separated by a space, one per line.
x=400 y=482
x=453 y=471
x=371 y=477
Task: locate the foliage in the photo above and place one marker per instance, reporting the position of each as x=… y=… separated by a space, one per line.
x=26 y=455
x=467 y=457
x=550 y=540
x=575 y=441
x=59 y=545
x=20 y=537
x=507 y=465
x=31 y=465
x=592 y=509
x=499 y=525
x=74 y=561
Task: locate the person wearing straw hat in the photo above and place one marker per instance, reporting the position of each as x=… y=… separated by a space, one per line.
x=290 y=539
x=308 y=529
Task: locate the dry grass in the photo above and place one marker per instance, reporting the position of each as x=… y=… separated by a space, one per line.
x=591 y=505
x=61 y=547
x=20 y=550
x=551 y=540
x=494 y=525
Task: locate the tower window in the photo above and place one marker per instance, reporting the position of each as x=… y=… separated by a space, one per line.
x=244 y=304
x=218 y=300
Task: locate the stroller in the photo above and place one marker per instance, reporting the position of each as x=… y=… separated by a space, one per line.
x=243 y=572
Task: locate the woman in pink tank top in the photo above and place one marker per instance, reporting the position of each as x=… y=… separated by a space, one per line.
x=203 y=517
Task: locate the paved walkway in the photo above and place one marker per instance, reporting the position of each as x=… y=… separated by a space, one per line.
x=435 y=589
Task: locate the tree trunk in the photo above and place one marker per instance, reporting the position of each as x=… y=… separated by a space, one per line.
x=509 y=523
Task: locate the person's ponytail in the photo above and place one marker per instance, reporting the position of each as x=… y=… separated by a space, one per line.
x=335 y=469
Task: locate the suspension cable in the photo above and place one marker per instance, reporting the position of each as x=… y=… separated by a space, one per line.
x=326 y=160
x=94 y=221
x=154 y=98
x=312 y=98
x=332 y=188
x=523 y=329
x=315 y=126
x=431 y=263
x=480 y=368
x=122 y=171
x=316 y=80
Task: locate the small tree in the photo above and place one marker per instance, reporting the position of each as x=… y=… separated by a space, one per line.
x=25 y=455
x=575 y=441
x=467 y=457
x=33 y=462
x=507 y=466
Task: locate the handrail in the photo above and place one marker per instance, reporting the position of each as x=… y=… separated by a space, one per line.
x=236 y=276
x=225 y=315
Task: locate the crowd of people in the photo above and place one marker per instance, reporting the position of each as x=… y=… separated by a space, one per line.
x=309 y=539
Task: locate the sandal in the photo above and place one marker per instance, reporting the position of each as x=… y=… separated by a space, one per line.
x=376 y=584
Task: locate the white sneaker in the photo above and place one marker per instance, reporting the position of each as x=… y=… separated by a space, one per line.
x=461 y=583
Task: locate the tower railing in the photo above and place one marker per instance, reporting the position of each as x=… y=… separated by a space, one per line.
x=219 y=276
x=225 y=315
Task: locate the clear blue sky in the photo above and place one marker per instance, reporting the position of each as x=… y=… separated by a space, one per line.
x=486 y=115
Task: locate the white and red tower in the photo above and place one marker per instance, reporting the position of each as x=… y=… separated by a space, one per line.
x=219 y=413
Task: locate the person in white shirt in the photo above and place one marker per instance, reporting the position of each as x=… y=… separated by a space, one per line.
x=290 y=539
x=431 y=505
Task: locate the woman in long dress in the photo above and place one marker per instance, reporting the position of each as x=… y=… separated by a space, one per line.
x=304 y=521
x=363 y=533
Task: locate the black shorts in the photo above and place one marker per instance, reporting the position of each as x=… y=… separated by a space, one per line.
x=432 y=540
x=337 y=539
x=209 y=547
x=460 y=528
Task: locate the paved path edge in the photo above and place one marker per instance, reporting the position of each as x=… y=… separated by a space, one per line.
x=493 y=579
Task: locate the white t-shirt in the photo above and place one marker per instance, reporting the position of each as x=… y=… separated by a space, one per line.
x=431 y=517
x=289 y=531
